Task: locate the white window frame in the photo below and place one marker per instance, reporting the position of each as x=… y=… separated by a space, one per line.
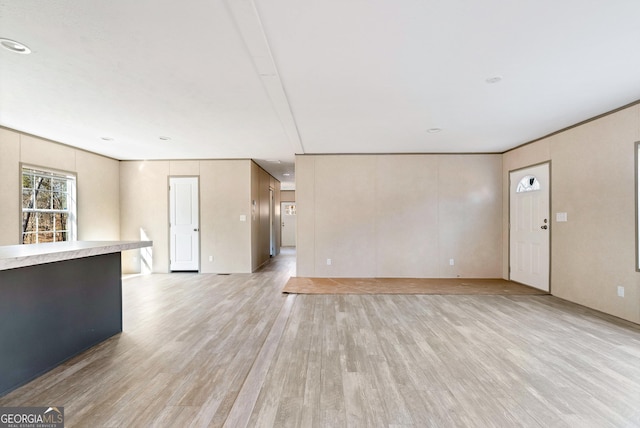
x=71 y=197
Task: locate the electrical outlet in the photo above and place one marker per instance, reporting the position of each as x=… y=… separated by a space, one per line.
x=620 y=291
x=328 y=262
x=451 y=262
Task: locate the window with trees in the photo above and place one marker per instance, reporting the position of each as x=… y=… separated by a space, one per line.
x=48 y=206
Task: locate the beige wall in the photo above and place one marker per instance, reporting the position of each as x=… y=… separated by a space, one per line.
x=9 y=187
x=144 y=213
x=97 y=181
x=592 y=180
x=399 y=215
x=98 y=197
x=288 y=196
x=225 y=188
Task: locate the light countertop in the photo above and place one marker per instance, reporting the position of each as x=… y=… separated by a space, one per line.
x=16 y=256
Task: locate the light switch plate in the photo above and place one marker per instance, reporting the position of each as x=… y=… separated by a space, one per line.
x=243 y=217
x=560 y=217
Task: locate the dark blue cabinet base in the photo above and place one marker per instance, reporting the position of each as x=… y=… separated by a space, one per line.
x=51 y=312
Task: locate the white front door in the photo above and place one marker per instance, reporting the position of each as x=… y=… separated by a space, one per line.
x=288 y=215
x=529 y=226
x=184 y=224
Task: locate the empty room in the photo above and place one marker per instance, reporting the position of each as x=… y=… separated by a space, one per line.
x=274 y=213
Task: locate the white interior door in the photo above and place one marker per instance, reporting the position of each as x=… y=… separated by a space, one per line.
x=529 y=226
x=184 y=224
x=288 y=216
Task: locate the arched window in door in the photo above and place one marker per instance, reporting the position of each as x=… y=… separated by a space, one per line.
x=528 y=183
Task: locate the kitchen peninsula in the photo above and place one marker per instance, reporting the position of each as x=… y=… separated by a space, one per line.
x=57 y=300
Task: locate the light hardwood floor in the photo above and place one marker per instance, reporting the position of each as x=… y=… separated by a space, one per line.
x=495 y=286
x=210 y=350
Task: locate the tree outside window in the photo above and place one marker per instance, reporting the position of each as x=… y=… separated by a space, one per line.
x=48 y=206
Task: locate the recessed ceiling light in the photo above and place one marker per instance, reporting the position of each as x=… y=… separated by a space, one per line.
x=13 y=46
x=494 y=79
x=165 y=138
x=286 y=174
x=434 y=130
x=106 y=138
x=273 y=161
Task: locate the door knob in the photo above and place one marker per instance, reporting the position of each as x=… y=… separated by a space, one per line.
x=196 y=230
x=543 y=227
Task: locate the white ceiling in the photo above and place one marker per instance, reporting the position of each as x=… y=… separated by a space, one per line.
x=266 y=79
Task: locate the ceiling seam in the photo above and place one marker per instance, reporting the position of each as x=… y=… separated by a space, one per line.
x=247 y=21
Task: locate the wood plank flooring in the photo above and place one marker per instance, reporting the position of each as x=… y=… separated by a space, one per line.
x=209 y=350
x=494 y=286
